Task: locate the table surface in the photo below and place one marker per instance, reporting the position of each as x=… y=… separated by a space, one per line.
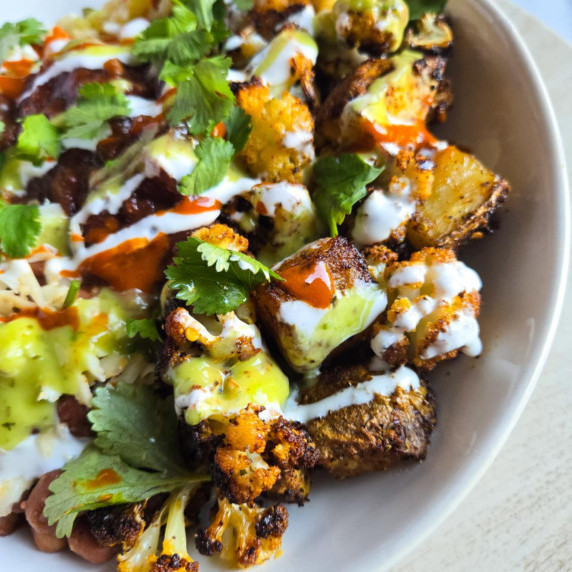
x=556 y=14
x=519 y=516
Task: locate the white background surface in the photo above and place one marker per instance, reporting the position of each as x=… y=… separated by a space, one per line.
x=519 y=516
x=556 y=14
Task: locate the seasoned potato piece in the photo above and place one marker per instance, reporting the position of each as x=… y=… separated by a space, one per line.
x=280 y=146
x=391 y=424
x=465 y=194
x=327 y=297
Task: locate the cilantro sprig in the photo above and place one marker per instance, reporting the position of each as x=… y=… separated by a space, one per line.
x=13 y=34
x=38 y=140
x=97 y=103
x=341 y=183
x=20 y=227
x=145 y=328
x=215 y=155
x=419 y=7
x=134 y=456
x=212 y=279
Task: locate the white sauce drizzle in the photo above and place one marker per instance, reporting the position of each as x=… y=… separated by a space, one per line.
x=133 y=28
x=383 y=384
x=92 y=58
x=141 y=106
x=379 y=216
x=300 y=141
x=304 y=19
x=291 y=197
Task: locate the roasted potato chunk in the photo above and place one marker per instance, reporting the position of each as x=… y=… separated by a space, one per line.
x=326 y=298
x=465 y=194
x=369 y=436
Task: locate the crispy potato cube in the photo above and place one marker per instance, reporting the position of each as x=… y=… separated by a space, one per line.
x=328 y=296
x=369 y=436
x=465 y=194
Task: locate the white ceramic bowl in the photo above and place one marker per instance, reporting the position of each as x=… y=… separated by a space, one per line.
x=503 y=114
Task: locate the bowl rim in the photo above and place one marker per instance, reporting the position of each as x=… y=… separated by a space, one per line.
x=466 y=479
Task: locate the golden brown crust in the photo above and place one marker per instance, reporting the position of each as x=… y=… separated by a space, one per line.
x=362 y=438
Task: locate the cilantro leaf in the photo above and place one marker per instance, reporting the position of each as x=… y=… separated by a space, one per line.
x=174 y=39
x=146 y=329
x=238 y=127
x=244 y=5
x=134 y=456
x=2 y=127
x=212 y=279
x=95 y=479
x=215 y=155
x=97 y=103
x=341 y=182
x=205 y=98
x=20 y=228
x=72 y=293
x=38 y=140
x=132 y=423
x=203 y=9
x=21 y=33
x=419 y=7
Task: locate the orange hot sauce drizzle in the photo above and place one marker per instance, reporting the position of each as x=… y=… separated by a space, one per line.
x=413 y=135
x=104 y=478
x=48 y=319
x=311 y=284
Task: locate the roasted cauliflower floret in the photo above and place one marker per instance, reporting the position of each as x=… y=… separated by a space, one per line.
x=253 y=455
x=269 y=15
x=376 y=26
x=326 y=298
x=388 y=419
x=278 y=218
x=244 y=535
x=430 y=33
x=145 y=555
x=280 y=146
x=385 y=104
x=433 y=309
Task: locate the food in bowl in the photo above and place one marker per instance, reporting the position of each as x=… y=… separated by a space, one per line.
x=229 y=259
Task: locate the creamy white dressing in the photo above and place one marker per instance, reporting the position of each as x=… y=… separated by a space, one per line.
x=291 y=197
x=304 y=19
x=133 y=28
x=141 y=106
x=462 y=333
x=33 y=457
x=86 y=144
x=92 y=58
x=452 y=278
x=413 y=273
x=272 y=64
x=382 y=384
x=301 y=315
x=379 y=216
x=301 y=141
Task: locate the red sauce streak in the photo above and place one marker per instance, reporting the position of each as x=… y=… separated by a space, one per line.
x=135 y=263
x=104 y=478
x=311 y=284
x=411 y=136
x=48 y=319
x=194 y=205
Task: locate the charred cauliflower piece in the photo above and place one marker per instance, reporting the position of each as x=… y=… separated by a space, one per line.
x=432 y=313
x=278 y=219
x=375 y=26
x=244 y=535
x=385 y=104
x=269 y=15
x=364 y=422
x=465 y=194
x=280 y=146
x=254 y=453
x=326 y=298
x=287 y=60
x=430 y=33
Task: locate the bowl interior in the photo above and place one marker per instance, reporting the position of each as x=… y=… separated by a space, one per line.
x=501 y=115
